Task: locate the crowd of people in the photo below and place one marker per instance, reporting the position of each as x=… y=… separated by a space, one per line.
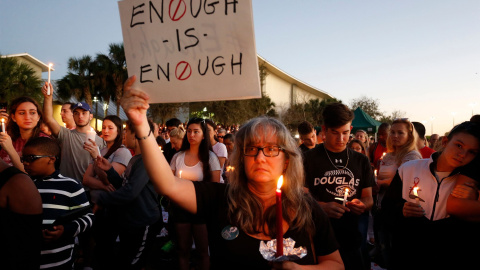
x=68 y=192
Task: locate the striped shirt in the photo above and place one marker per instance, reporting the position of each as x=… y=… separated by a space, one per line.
x=60 y=195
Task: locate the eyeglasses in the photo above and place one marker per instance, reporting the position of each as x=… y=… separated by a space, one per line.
x=268 y=151
x=221 y=137
x=31 y=158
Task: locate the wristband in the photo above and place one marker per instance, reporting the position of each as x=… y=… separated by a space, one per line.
x=143 y=138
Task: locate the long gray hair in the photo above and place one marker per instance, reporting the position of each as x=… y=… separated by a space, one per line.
x=245 y=210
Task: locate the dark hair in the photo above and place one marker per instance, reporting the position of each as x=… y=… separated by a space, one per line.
x=475 y=118
x=118 y=140
x=229 y=136
x=69 y=103
x=337 y=115
x=305 y=128
x=359 y=142
x=12 y=127
x=160 y=141
x=173 y=122
x=468 y=127
x=204 y=148
x=45 y=146
x=384 y=126
x=420 y=128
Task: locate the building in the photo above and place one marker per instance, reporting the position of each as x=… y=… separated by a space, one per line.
x=285 y=90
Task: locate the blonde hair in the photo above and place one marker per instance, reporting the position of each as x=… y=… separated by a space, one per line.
x=245 y=210
x=178 y=133
x=409 y=146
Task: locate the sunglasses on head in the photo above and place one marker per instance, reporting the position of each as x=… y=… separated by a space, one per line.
x=31 y=158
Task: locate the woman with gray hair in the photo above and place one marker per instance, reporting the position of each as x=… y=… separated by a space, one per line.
x=241 y=214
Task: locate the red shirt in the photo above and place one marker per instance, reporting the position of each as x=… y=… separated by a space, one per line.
x=426 y=152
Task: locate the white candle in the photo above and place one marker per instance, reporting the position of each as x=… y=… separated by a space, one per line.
x=48 y=86
x=90 y=135
x=345 y=196
x=3 y=125
x=180 y=172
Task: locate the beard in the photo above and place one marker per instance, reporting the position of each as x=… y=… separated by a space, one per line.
x=81 y=126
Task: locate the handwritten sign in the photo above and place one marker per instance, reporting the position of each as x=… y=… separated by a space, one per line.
x=191 y=50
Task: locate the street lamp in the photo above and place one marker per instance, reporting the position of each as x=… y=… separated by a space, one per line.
x=473 y=105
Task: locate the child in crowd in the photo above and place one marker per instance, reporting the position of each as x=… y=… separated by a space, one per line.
x=424 y=235
x=60 y=195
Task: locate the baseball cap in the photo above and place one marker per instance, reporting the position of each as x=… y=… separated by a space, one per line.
x=81 y=105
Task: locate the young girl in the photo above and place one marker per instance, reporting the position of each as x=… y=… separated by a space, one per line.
x=416 y=202
x=357 y=146
x=195 y=162
x=24 y=121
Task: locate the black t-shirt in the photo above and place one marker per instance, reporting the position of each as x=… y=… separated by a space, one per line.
x=242 y=251
x=472 y=169
x=326 y=179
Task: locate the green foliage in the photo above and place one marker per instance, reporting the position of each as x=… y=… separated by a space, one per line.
x=310 y=111
x=368 y=105
x=18 y=79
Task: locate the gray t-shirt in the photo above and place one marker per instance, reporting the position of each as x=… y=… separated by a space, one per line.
x=75 y=159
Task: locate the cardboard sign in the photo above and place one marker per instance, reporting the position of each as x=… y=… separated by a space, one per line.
x=191 y=50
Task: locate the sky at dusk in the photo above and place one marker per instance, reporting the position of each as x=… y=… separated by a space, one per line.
x=419 y=57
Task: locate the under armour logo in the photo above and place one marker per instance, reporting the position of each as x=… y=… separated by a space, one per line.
x=79 y=104
x=338 y=161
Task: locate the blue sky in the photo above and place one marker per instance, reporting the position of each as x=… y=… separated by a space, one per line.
x=419 y=57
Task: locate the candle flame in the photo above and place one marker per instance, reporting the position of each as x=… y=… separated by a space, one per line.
x=3 y=120
x=230 y=168
x=346 y=191
x=375 y=172
x=180 y=173
x=280 y=182
x=384 y=153
x=50 y=65
x=415 y=191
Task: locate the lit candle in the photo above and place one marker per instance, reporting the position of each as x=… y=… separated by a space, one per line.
x=230 y=169
x=180 y=173
x=48 y=86
x=3 y=125
x=345 y=196
x=384 y=153
x=279 y=217
x=160 y=148
x=415 y=193
x=90 y=135
x=64 y=125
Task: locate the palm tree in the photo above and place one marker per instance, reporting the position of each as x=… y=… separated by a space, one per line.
x=18 y=79
x=117 y=68
x=80 y=79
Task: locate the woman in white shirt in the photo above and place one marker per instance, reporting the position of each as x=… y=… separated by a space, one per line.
x=195 y=162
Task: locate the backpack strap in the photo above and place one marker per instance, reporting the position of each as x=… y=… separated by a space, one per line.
x=6 y=174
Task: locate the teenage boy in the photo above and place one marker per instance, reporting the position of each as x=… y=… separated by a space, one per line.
x=308 y=136
x=67 y=115
x=334 y=172
x=60 y=196
x=75 y=160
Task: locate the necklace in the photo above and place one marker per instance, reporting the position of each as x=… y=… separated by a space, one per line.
x=335 y=166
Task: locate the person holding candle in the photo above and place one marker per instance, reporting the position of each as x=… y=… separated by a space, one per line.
x=331 y=169
x=241 y=214
x=75 y=160
x=24 y=122
x=376 y=149
x=196 y=162
x=418 y=226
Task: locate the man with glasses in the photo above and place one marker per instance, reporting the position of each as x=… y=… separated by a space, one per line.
x=341 y=180
x=221 y=135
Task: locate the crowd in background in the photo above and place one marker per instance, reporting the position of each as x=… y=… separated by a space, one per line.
x=101 y=200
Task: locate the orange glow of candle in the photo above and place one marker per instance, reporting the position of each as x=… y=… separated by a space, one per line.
x=3 y=125
x=180 y=173
x=345 y=196
x=279 y=220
